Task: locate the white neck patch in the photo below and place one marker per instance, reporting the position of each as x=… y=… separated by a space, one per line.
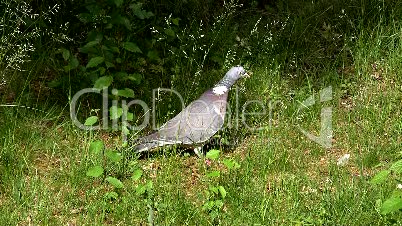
x=219 y=90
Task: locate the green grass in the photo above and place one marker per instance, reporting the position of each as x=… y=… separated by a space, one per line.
x=284 y=178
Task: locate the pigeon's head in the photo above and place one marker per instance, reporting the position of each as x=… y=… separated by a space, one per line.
x=230 y=78
x=236 y=72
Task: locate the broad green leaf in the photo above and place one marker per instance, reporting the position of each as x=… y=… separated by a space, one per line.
x=109 y=64
x=85 y=17
x=212 y=154
x=66 y=54
x=130 y=116
x=222 y=191
x=90 y=46
x=208 y=205
x=115 y=49
x=118 y=2
x=153 y=55
x=95 y=61
x=149 y=185
x=380 y=177
x=73 y=63
x=124 y=144
x=170 y=32
x=115 y=182
x=67 y=68
x=113 y=156
x=115 y=112
x=132 y=47
x=111 y=195
x=125 y=130
x=135 y=78
x=90 y=121
x=219 y=203
x=176 y=21
x=231 y=164
x=101 y=70
x=96 y=147
x=394 y=203
x=215 y=190
x=129 y=93
x=136 y=174
x=397 y=167
x=95 y=171
x=214 y=173
x=103 y=82
x=122 y=75
x=140 y=189
x=119 y=19
x=141 y=14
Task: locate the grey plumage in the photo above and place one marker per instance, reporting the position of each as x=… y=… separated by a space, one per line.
x=199 y=121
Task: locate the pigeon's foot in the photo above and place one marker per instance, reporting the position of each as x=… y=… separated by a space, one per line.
x=198 y=152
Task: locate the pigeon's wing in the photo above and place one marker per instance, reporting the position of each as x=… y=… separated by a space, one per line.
x=198 y=122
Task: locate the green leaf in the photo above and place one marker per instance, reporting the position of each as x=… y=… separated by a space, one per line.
x=149 y=185
x=208 y=205
x=115 y=182
x=214 y=173
x=130 y=116
x=91 y=44
x=176 y=21
x=125 y=130
x=109 y=64
x=103 y=82
x=95 y=61
x=96 y=147
x=115 y=112
x=101 y=70
x=219 y=203
x=90 y=121
x=118 y=2
x=73 y=63
x=170 y=32
x=115 y=49
x=214 y=190
x=111 y=195
x=380 y=177
x=132 y=47
x=141 y=14
x=136 y=174
x=129 y=93
x=153 y=55
x=397 y=167
x=95 y=171
x=119 y=19
x=231 y=164
x=66 y=54
x=222 y=191
x=114 y=156
x=140 y=189
x=212 y=154
x=121 y=75
x=394 y=203
x=135 y=78
x=85 y=17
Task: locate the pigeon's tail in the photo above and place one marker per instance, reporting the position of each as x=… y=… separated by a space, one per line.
x=146 y=146
x=146 y=143
x=149 y=142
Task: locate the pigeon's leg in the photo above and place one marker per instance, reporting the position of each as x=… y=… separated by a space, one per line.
x=198 y=151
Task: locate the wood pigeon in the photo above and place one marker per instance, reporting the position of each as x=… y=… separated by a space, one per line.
x=198 y=122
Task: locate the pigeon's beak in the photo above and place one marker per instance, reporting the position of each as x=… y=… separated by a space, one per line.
x=247 y=74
